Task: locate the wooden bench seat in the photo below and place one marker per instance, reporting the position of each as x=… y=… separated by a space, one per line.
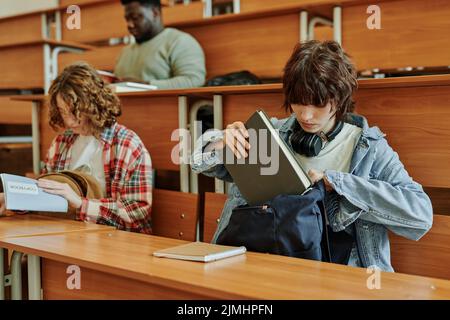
x=430 y=256
x=175 y=214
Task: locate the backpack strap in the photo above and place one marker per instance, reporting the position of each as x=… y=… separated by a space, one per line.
x=326 y=253
x=325 y=243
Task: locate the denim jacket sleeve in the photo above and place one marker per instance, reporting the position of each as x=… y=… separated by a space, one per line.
x=209 y=163
x=389 y=197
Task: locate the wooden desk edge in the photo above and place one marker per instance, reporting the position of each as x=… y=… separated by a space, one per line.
x=146 y=278
x=180 y=284
x=397 y=82
x=53 y=43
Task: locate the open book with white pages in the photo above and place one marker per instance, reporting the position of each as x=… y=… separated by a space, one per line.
x=23 y=194
x=119 y=87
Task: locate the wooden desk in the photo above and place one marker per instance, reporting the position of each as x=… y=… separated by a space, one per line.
x=26 y=65
x=22 y=28
x=103 y=20
x=152 y=115
x=177 y=16
x=243 y=37
x=412 y=111
x=401 y=21
x=120 y=265
x=27 y=27
x=31 y=225
x=230 y=42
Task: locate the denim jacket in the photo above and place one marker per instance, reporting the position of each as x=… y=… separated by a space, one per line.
x=376 y=195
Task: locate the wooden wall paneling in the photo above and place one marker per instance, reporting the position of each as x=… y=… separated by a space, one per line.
x=440 y=198
x=29 y=59
x=14 y=112
x=98 y=22
x=413 y=33
x=323 y=33
x=430 y=256
x=153 y=120
x=102 y=58
x=22 y=28
x=241 y=107
x=252 y=44
x=67 y=3
x=182 y=13
x=415 y=121
x=315 y=6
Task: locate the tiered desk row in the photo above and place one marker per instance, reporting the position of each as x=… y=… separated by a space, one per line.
x=412 y=111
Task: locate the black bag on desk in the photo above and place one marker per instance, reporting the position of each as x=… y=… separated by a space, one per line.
x=289 y=225
x=239 y=78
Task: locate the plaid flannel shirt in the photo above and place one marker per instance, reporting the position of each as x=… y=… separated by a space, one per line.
x=128 y=178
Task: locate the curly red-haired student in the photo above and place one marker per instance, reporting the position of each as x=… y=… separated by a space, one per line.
x=93 y=142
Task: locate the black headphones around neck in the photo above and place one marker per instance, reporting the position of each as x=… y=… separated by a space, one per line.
x=310 y=144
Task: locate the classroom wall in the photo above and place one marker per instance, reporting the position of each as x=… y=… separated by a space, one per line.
x=13 y=7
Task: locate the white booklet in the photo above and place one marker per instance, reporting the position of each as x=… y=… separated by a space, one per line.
x=119 y=87
x=23 y=194
x=200 y=251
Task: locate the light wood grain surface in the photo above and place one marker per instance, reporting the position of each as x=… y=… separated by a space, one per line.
x=253 y=275
x=413 y=33
x=33 y=224
x=398 y=82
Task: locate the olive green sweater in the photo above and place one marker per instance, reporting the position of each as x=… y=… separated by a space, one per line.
x=172 y=59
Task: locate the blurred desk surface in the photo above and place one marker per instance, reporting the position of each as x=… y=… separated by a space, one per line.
x=119 y=265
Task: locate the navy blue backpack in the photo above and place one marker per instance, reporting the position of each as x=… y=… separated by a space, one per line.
x=289 y=225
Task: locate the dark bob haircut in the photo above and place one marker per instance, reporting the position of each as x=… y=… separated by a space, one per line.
x=318 y=73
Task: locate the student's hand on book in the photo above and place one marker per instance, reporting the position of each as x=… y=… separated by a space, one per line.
x=235 y=137
x=63 y=189
x=317 y=175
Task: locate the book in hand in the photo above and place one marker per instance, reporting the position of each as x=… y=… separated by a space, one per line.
x=120 y=87
x=271 y=167
x=200 y=251
x=23 y=194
